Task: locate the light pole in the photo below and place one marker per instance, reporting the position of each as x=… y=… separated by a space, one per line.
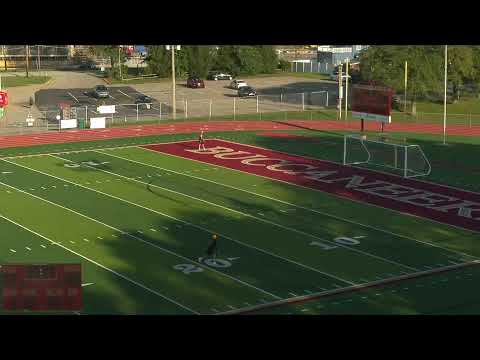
x=172 y=48
x=346 y=88
x=26 y=60
x=445 y=99
x=119 y=62
x=405 y=96
x=4 y=57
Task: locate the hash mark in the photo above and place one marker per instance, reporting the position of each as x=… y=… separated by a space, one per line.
x=43 y=246
x=99 y=237
x=26 y=247
x=12 y=250
x=86 y=240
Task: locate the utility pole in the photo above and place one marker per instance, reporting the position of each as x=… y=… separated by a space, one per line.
x=4 y=57
x=172 y=48
x=445 y=99
x=119 y=62
x=340 y=89
x=346 y=89
x=38 y=57
x=26 y=59
x=174 y=101
x=405 y=97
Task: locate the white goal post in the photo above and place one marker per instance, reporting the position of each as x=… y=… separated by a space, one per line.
x=409 y=159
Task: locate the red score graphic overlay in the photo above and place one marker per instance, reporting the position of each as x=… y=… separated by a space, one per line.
x=49 y=287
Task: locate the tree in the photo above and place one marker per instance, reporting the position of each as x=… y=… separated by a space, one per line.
x=250 y=60
x=460 y=67
x=111 y=52
x=226 y=59
x=158 y=60
x=199 y=59
x=269 y=58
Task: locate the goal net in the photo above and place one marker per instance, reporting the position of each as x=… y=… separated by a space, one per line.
x=407 y=159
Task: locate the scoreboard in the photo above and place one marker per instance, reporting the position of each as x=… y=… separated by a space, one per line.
x=372 y=102
x=48 y=287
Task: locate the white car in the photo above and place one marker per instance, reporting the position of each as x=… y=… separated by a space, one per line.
x=236 y=84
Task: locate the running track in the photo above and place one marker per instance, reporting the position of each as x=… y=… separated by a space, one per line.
x=66 y=136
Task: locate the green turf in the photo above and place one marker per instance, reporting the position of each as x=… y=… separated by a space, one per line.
x=442 y=294
x=148 y=217
x=12 y=81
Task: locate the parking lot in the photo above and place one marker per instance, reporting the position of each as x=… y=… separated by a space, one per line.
x=216 y=99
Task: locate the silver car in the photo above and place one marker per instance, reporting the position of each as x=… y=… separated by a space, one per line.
x=101 y=91
x=237 y=84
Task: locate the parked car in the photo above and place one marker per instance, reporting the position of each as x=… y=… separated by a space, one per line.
x=101 y=91
x=144 y=100
x=237 y=84
x=195 y=82
x=219 y=76
x=246 y=91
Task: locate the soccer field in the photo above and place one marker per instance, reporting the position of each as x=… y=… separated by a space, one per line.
x=139 y=221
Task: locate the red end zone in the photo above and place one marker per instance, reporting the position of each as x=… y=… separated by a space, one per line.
x=443 y=204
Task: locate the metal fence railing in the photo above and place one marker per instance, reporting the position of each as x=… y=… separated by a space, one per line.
x=281 y=106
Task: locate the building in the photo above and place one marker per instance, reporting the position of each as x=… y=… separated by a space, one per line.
x=337 y=54
x=327 y=59
x=14 y=56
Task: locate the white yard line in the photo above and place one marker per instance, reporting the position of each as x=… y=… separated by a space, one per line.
x=266 y=221
x=181 y=221
x=288 y=203
x=135 y=237
x=319 y=295
x=102 y=266
x=188 y=223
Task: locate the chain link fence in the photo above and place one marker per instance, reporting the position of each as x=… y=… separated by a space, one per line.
x=281 y=107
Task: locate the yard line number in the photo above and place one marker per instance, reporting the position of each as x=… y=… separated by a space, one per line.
x=342 y=240
x=218 y=263
x=87 y=163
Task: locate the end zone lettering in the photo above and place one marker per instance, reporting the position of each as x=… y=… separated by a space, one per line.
x=443 y=204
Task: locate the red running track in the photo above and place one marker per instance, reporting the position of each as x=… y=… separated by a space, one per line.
x=67 y=136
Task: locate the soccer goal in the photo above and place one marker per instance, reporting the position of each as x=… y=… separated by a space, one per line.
x=408 y=159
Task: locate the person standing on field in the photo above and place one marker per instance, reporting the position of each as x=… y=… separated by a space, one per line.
x=201 y=142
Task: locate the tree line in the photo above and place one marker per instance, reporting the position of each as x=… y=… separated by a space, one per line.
x=426 y=63
x=199 y=59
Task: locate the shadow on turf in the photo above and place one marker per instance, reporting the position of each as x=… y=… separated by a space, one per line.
x=454 y=165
